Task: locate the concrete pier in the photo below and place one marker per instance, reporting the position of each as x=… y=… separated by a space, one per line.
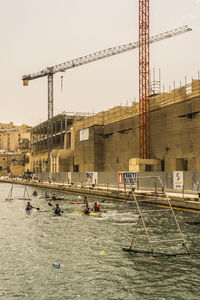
x=189 y=201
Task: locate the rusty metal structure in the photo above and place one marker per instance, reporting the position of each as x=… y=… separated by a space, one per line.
x=144 y=75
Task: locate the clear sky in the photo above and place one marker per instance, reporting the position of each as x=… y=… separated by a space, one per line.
x=36 y=34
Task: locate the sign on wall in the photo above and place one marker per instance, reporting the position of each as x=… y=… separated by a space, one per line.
x=91 y=177
x=178 y=180
x=127 y=178
x=84 y=134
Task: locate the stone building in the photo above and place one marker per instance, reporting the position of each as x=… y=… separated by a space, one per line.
x=12 y=163
x=112 y=136
x=14 y=137
x=175 y=121
x=14 y=148
x=109 y=141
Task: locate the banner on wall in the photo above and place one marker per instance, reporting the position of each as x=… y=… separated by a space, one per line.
x=84 y=134
x=127 y=178
x=91 y=177
x=178 y=180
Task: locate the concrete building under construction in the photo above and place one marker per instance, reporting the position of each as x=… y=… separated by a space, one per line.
x=108 y=141
x=57 y=142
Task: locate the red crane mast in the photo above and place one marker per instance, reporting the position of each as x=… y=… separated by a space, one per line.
x=144 y=74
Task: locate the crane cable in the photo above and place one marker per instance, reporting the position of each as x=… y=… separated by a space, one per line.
x=61 y=83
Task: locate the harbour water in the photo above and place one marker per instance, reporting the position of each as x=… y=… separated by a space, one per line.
x=89 y=251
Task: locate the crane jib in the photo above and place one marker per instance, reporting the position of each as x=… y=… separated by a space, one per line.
x=101 y=55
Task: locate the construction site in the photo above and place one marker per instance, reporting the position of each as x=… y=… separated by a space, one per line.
x=109 y=140
x=159 y=132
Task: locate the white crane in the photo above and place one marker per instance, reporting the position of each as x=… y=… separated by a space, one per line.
x=50 y=71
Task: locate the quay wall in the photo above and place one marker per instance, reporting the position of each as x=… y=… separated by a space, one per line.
x=146 y=180
x=147 y=188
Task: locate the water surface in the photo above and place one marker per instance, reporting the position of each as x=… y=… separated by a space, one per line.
x=89 y=249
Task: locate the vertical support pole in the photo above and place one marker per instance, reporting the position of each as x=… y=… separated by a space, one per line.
x=155 y=183
x=159 y=80
x=125 y=191
x=183 y=191
x=174 y=89
x=50 y=96
x=144 y=77
x=24 y=192
x=138 y=184
x=50 y=115
x=139 y=218
x=175 y=219
x=142 y=219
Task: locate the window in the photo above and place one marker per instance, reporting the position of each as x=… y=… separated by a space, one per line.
x=76 y=168
x=69 y=122
x=68 y=144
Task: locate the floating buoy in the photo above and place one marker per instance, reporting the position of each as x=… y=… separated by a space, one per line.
x=55 y=265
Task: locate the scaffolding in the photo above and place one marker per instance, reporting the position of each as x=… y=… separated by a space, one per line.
x=157 y=100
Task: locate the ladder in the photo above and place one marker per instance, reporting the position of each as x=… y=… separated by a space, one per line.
x=152 y=243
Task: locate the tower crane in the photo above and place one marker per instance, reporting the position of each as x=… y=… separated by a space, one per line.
x=144 y=84
x=50 y=71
